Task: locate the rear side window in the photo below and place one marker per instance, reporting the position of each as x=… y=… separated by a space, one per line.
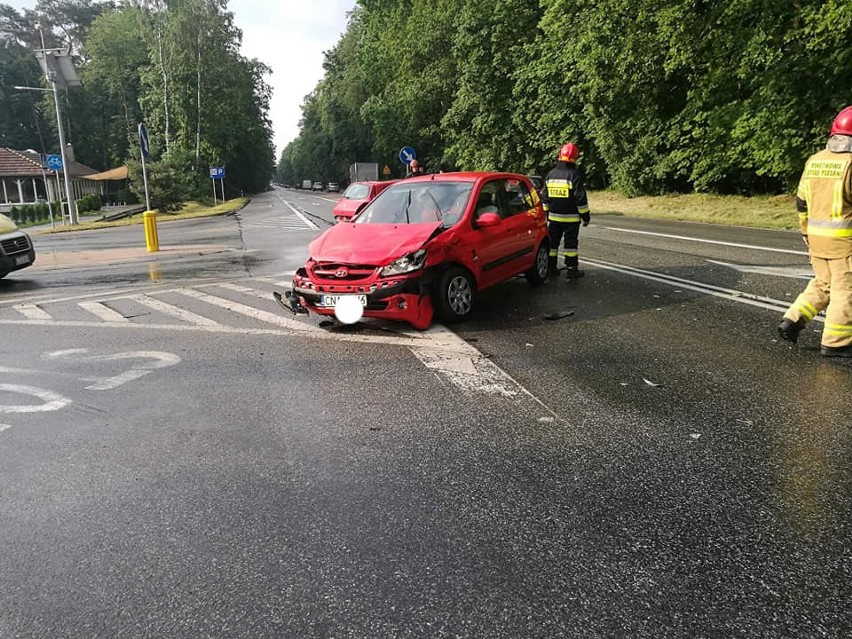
x=357 y=192
x=518 y=196
x=504 y=197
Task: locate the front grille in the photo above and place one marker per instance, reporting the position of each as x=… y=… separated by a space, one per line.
x=344 y=272
x=14 y=245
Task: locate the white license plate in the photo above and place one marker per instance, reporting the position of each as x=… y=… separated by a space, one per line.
x=22 y=259
x=330 y=301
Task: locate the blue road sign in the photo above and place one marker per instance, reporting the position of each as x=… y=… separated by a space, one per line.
x=54 y=162
x=406 y=154
x=143 y=140
x=217 y=172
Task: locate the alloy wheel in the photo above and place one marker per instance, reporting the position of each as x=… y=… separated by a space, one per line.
x=460 y=295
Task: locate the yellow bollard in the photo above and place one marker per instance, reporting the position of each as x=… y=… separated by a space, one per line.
x=151 y=239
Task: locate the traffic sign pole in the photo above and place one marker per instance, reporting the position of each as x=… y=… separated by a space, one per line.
x=143 y=153
x=149 y=217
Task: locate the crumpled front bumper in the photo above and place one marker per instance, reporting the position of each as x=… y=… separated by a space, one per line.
x=405 y=298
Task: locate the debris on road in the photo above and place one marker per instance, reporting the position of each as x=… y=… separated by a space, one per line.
x=558 y=315
x=650 y=383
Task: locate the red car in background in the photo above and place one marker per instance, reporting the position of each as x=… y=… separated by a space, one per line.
x=356 y=197
x=426 y=246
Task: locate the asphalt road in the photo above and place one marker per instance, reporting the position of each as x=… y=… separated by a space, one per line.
x=179 y=459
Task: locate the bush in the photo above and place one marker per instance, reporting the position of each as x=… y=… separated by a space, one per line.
x=89 y=203
x=15 y=214
x=171 y=180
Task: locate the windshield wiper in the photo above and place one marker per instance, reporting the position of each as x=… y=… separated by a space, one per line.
x=407 y=206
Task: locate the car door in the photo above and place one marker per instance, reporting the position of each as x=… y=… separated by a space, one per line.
x=522 y=221
x=501 y=248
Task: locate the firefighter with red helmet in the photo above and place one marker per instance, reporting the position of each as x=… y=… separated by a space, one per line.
x=824 y=202
x=567 y=205
x=415 y=169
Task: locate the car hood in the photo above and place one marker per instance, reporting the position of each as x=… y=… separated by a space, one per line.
x=347 y=206
x=7 y=225
x=377 y=244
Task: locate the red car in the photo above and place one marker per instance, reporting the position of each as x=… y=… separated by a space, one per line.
x=356 y=197
x=426 y=246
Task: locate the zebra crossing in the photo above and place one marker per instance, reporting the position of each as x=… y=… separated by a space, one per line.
x=282 y=223
x=240 y=306
x=245 y=307
x=227 y=305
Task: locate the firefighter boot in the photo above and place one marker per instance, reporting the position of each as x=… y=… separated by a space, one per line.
x=789 y=330
x=552 y=267
x=836 y=351
x=572 y=270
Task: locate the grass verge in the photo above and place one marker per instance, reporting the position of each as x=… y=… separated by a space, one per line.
x=766 y=212
x=189 y=211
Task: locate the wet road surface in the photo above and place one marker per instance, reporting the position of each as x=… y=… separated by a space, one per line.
x=653 y=464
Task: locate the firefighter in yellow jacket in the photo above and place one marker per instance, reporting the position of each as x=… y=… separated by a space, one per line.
x=566 y=203
x=824 y=202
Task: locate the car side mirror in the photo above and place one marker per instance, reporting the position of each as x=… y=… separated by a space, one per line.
x=487 y=220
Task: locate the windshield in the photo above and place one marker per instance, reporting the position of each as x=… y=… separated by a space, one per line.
x=356 y=192
x=419 y=203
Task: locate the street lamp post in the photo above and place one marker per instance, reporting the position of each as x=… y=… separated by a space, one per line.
x=58 y=69
x=69 y=193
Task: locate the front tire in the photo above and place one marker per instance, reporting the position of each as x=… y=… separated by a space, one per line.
x=537 y=274
x=455 y=295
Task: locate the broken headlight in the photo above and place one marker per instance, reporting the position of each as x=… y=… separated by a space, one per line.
x=406 y=264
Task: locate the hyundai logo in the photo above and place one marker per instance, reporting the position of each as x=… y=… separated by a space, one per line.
x=341 y=273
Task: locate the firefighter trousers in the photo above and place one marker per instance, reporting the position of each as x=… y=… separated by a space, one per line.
x=830 y=290
x=571 y=232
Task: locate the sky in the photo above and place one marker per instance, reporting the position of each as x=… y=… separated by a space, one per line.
x=289 y=36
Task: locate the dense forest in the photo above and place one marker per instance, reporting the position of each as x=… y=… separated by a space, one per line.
x=662 y=95
x=175 y=64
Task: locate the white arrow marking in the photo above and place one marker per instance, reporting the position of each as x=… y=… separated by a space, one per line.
x=160 y=360
x=52 y=401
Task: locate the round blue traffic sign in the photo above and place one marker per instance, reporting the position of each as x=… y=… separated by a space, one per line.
x=406 y=154
x=54 y=162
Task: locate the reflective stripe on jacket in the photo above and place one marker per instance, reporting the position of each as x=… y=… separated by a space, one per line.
x=824 y=201
x=565 y=194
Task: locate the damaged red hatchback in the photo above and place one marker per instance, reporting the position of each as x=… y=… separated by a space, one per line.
x=425 y=247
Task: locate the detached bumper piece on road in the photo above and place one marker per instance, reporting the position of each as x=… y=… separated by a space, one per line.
x=290 y=302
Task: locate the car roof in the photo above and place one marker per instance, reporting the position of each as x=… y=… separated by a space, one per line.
x=465 y=176
x=372 y=182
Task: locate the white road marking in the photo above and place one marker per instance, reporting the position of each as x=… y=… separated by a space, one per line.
x=464 y=366
x=286 y=223
x=155 y=360
x=51 y=401
x=698 y=239
x=103 y=311
x=248 y=311
x=301 y=216
x=708 y=289
x=792 y=272
x=264 y=295
x=174 y=311
x=31 y=311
